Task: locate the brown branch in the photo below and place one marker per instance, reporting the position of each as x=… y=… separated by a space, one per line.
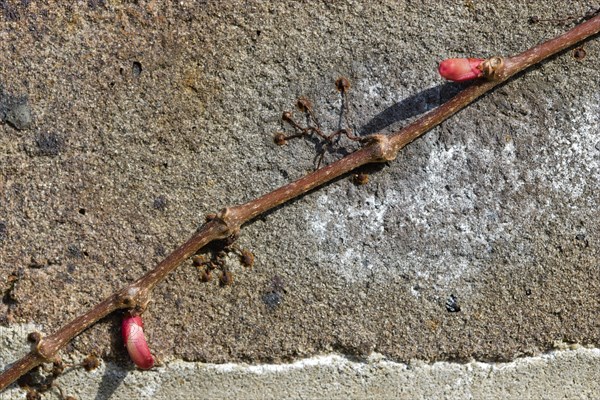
x=376 y=148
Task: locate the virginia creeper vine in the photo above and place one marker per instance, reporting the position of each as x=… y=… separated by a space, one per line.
x=375 y=148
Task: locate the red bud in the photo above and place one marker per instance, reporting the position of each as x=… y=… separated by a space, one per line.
x=461 y=69
x=133 y=336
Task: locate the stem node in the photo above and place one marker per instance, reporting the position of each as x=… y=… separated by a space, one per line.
x=493 y=68
x=383 y=149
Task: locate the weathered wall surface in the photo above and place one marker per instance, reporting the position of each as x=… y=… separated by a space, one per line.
x=124 y=124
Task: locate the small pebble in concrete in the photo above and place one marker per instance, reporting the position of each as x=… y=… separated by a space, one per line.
x=15 y=110
x=19 y=115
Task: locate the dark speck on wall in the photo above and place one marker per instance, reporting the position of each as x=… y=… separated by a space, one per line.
x=273 y=296
x=160 y=251
x=3 y=232
x=10 y=12
x=96 y=3
x=160 y=203
x=452 y=304
x=136 y=69
x=48 y=144
x=74 y=251
x=272 y=299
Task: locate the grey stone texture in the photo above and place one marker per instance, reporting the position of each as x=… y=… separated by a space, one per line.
x=569 y=372
x=135 y=120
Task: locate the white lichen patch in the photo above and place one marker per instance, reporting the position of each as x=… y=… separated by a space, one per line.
x=455 y=230
x=570 y=164
x=335 y=230
x=374 y=90
x=343 y=232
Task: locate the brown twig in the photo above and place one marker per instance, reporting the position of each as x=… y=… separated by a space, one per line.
x=376 y=148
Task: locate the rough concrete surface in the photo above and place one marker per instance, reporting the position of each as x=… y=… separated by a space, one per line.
x=123 y=124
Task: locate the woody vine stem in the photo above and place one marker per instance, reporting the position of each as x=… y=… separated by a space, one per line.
x=375 y=149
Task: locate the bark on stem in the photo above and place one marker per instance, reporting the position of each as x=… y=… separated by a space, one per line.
x=379 y=148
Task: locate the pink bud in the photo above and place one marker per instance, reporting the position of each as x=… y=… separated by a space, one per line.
x=461 y=69
x=133 y=336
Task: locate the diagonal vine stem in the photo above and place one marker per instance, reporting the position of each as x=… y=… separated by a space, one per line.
x=376 y=148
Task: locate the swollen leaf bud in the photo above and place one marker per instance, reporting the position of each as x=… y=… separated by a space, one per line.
x=135 y=341
x=461 y=69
